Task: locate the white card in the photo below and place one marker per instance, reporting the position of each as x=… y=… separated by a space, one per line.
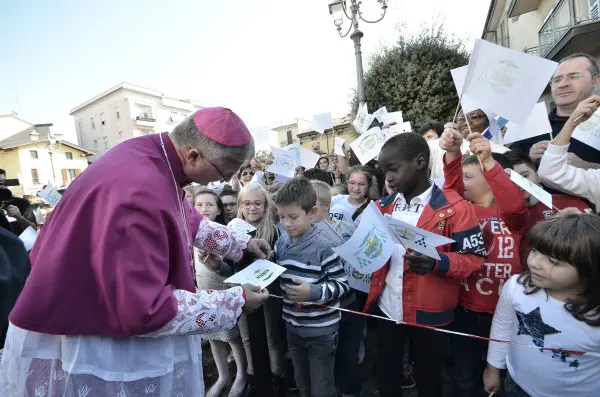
x=383 y=116
x=506 y=81
x=50 y=195
x=372 y=243
x=339 y=146
x=419 y=240
x=284 y=162
x=321 y=122
x=241 y=226
x=536 y=124
x=304 y=157
x=363 y=119
x=459 y=76
x=258 y=176
x=535 y=190
x=357 y=280
x=28 y=238
x=261 y=273
x=406 y=127
x=588 y=132
x=367 y=146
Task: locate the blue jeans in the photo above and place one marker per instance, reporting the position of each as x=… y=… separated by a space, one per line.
x=313 y=360
x=468 y=354
x=352 y=328
x=511 y=389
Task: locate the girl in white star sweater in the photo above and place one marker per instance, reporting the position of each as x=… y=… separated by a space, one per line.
x=555 y=305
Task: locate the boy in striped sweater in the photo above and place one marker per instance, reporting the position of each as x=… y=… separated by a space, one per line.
x=314 y=275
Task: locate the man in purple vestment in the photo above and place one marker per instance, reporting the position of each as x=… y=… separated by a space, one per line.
x=110 y=307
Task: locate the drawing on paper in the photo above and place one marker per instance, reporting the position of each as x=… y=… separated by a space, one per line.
x=503 y=77
x=591 y=124
x=263 y=274
x=371 y=247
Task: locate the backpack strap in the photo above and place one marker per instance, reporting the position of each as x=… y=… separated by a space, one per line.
x=359 y=210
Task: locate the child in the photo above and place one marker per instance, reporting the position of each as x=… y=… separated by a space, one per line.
x=260 y=330
x=538 y=211
x=351 y=326
x=553 y=304
x=412 y=287
x=314 y=275
x=210 y=273
x=348 y=207
x=502 y=215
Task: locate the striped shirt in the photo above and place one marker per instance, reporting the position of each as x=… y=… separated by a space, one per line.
x=312 y=259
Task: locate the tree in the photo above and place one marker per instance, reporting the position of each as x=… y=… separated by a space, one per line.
x=414 y=76
x=264 y=157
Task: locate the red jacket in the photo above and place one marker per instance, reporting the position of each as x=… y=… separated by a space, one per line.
x=503 y=227
x=431 y=299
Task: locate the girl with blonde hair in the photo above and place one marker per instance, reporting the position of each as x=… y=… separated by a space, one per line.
x=261 y=331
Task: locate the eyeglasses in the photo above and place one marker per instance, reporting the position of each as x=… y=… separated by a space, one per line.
x=256 y=204
x=248 y=173
x=473 y=118
x=217 y=169
x=360 y=185
x=569 y=77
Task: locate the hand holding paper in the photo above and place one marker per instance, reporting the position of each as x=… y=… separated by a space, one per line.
x=419 y=263
x=255 y=297
x=535 y=190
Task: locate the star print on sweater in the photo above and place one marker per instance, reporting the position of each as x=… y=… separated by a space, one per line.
x=532 y=324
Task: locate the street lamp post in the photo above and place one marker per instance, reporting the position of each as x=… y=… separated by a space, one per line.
x=52 y=140
x=338 y=9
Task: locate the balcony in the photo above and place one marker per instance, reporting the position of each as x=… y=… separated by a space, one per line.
x=143 y=120
x=520 y=7
x=570 y=28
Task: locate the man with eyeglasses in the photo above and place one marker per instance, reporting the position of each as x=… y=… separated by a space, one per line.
x=114 y=268
x=575 y=79
x=478 y=122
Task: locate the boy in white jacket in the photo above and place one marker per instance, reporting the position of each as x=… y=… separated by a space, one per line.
x=554 y=169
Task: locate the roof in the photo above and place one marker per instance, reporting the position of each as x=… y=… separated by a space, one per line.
x=488 y=18
x=131 y=87
x=15 y=116
x=343 y=121
x=24 y=138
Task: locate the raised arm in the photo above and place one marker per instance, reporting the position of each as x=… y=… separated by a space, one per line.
x=450 y=142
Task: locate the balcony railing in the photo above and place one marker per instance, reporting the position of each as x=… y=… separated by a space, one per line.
x=533 y=51
x=566 y=15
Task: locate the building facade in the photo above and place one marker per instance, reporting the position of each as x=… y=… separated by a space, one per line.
x=551 y=29
x=324 y=143
x=35 y=156
x=126 y=111
x=11 y=123
x=287 y=133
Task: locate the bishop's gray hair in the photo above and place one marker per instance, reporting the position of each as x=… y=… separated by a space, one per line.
x=185 y=135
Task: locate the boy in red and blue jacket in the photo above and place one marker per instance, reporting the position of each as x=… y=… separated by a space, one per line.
x=414 y=288
x=502 y=214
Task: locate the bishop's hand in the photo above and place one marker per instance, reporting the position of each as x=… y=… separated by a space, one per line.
x=260 y=248
x=255 y=297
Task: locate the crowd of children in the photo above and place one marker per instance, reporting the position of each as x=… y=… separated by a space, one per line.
x=517 y=271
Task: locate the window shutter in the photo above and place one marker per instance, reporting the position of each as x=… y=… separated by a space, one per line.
x=64 y=176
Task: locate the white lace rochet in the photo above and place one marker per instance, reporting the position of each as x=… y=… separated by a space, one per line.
x=164 y=363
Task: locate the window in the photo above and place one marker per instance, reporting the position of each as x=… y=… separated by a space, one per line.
x=72 y=174
x=174 y=117
x=102 y=121
x=68 y=175
x=105 y=143
x=69 y=155
x=117 y=112
x=33 y=154
x=120 y=136
x=34 y=177
x=289 y=137
x=92 y=123
x=95 y=144
x=144 y=112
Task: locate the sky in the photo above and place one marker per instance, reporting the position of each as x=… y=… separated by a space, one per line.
x=271 y=61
